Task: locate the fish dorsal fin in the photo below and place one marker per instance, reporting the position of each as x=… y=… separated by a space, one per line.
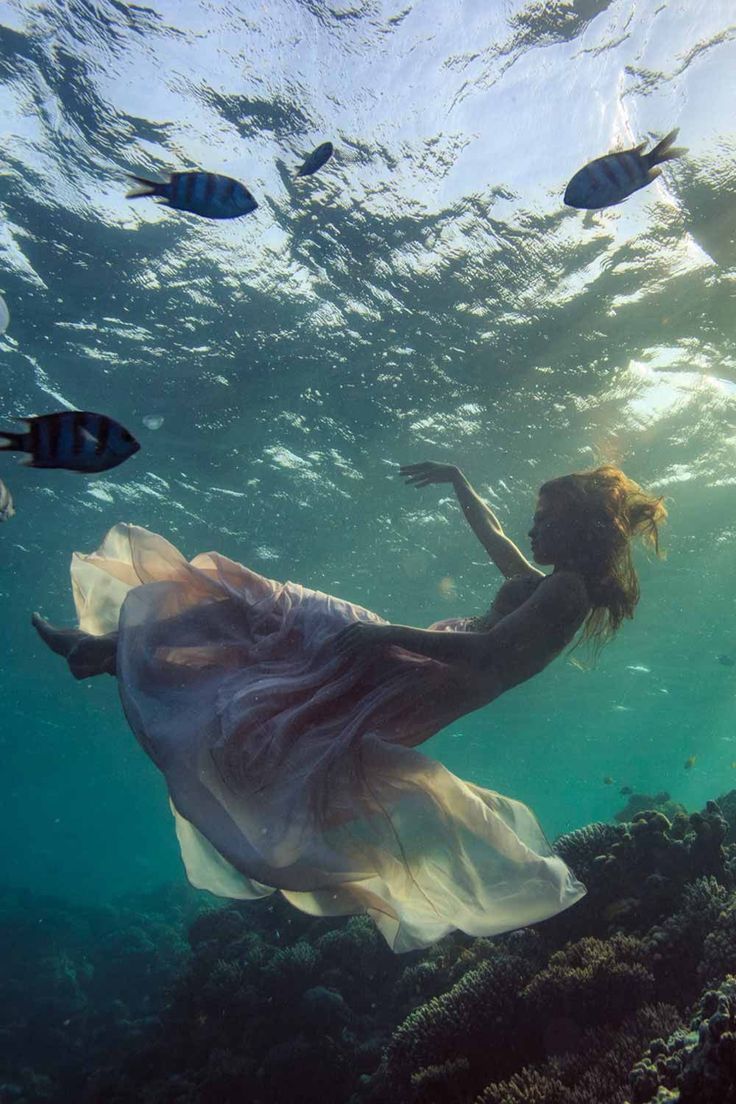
x=640 y=148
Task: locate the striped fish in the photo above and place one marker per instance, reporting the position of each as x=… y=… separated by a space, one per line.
x=77 y=440
x=317 y=158
x=207 y=194
x=7 y=510
x=609 y=179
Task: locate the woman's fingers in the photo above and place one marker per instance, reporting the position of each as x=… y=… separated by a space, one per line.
x=417 y=475
x=421 y=475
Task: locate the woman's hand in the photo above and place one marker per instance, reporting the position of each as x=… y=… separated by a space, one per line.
x=421 y=475
x=360 y=637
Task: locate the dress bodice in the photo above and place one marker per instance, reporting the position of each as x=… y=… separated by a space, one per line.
x=512 y=594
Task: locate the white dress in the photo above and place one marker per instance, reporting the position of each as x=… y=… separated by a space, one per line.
x=291 y=768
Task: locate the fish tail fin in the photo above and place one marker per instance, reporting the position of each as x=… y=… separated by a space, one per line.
x=664 y=150
x=12 y=441
x=144 y=187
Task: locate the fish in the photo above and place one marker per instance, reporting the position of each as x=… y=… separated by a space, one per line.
x=7 y=510
x=625 y=791
x=201 y=193
x=610 y=179
x=726 y=660
x=77 y=440
x=317 y=158
x=607 y=780
x=690 y=762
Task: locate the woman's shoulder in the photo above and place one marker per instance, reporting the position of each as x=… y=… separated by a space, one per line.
x=566 y=592
x=516 y=590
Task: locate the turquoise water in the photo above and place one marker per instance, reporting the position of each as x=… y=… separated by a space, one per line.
x=424 y=296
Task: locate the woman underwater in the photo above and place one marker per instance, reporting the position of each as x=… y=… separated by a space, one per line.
x=285 y=720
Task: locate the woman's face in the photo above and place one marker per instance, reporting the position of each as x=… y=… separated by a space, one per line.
x=549 y=534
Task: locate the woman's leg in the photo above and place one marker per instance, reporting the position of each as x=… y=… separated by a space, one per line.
x=89 y=655
x=86 y=655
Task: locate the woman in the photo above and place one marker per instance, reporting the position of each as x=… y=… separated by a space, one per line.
x=285 y=720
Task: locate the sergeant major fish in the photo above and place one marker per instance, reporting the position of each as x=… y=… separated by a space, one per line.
x=7 y=510
x=202 y=193
x=611 y=178
x=77 y=440
x=317 y=158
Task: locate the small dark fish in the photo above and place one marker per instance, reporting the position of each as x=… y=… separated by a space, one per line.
x=625 y=791
x=77 y=440
x=317 y=158
x=607 y=780
x=7 y=510
x=690 y=762
x=207 y=194
x=726 y=660
x=611 y=178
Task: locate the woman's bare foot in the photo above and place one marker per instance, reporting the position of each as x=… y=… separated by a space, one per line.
x=86 y=655
x=61 y=641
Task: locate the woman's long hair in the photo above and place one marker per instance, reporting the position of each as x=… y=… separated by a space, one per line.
x=607 y=510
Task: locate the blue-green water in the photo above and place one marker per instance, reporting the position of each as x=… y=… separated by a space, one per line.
x=425 y=296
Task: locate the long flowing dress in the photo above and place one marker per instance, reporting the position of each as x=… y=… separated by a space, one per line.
x=292 y=768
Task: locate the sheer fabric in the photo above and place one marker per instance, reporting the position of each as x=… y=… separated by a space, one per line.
x=290 y=768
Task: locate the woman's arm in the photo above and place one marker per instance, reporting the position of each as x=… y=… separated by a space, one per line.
x=520 y=646
x=507 y=557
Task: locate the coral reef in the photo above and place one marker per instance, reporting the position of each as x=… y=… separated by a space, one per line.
x=676 y=947
x=80 y=986
x=727 y=804
x=635 y=872
x=642 y=803
x=696 y=1066
x=595 y=1072
x=591 y=982
x=483 y=1005
x=719 y=944
x=174 y=999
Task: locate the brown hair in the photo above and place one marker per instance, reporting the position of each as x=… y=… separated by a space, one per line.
x=611 y=510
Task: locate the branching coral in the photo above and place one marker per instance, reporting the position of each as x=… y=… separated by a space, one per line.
x=675 y=947
x=268 y=1004
x=660 y=803
x=699 y=1064
x=591 y=982
x=638 y=878
x=482 y=1006
x=580 y=848
x=595 y=1072
x=719 y=946
x=727 y=804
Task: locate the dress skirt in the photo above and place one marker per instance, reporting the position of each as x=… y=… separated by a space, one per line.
x=295 y=769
